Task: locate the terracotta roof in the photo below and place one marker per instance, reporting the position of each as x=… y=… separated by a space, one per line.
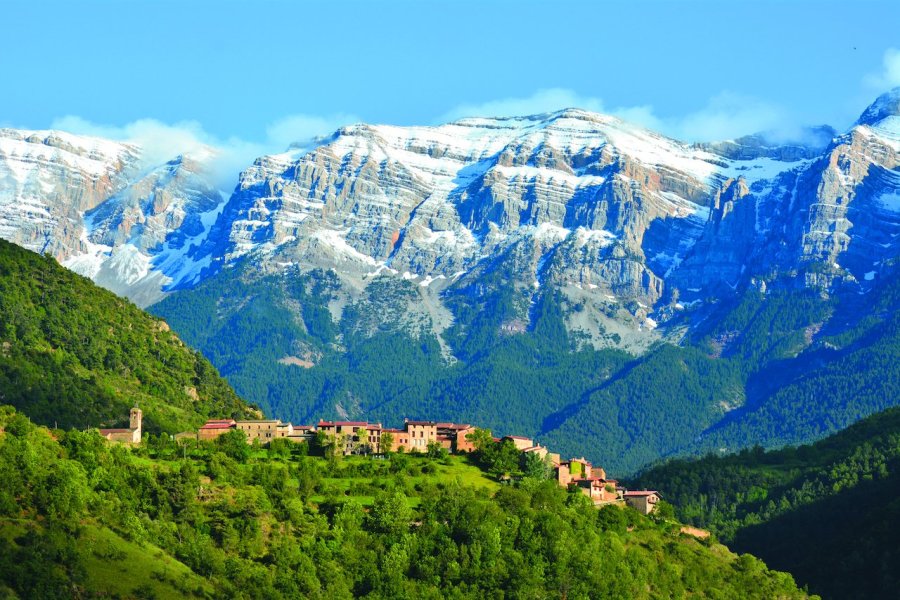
x=457 y=426
x=343 y=423
x=373 y=426
x=218 y=425
x=427 y=423
x=642 y=493
x=392 y=431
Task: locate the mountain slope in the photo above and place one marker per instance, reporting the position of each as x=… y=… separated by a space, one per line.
x=826 y=512
x=75 y=513
x=75 y=355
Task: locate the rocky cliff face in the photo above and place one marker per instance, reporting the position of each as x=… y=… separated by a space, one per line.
x=97 y=207
x=144 y=238
x=625 y=219
x=48 y=178
x=569 y=199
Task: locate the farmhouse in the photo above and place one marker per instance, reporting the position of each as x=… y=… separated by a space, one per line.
x=264 y=430
x=421 y=433
x=401 y=440
x=644 y=500
x=214 y=428
x=414 y=437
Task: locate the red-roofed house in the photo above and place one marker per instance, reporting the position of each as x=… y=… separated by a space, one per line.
x=541 y=451
x=264 y=430
x=452 y=436
x=644 y=501
x=214 y=428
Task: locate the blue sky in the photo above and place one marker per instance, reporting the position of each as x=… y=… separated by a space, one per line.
x=256 y=75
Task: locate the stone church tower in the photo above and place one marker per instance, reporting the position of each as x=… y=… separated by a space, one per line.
x=135 y=424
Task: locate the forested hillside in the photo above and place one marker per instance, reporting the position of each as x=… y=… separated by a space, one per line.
x=828 y=513
x=82 y=518
x=75 y=355
x=765 y=366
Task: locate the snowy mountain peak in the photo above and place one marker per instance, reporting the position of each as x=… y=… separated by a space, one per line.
x=885 y=106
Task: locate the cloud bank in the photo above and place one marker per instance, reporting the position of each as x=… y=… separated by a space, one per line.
x=889 y=77
x=161 y=142
x=725 y=116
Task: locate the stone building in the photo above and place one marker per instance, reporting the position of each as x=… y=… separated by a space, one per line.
x=264 y=430
x=401 y=440
x=452 y=436
x=520 y=442
x=357 y=436
x=302 y=433
x=214 y=428
x=421 y=433
x=576 y=468
x=644 y=501
x=131 y=435
x=598 y=489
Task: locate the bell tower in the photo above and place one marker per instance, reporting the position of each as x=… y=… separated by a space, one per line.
x=135 y=421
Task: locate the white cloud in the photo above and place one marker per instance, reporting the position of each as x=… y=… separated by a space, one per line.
x=726 y=115
x=889 y=77
x=298 y=129
x=542 y=101
x=161 y=142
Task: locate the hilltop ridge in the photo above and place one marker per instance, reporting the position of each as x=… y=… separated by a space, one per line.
x=75 y=355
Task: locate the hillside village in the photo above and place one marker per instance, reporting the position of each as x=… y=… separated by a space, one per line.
x=364 y=438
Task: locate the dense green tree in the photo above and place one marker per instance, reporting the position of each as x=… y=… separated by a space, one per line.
x=234 y=444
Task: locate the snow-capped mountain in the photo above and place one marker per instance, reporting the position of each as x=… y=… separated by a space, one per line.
x=612 y=214
x=47 y=178
x=608 y=212
x=96 y=206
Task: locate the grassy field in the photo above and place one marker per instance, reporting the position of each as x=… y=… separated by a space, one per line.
x=362 y=489
x=117 y=567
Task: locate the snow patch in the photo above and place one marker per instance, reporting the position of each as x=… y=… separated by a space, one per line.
x=889 y=201
x=343 y=251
